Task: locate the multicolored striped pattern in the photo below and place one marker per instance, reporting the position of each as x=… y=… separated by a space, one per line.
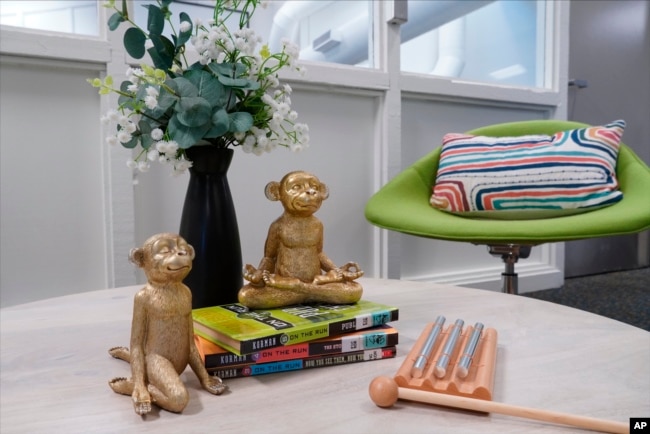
x=570 y=170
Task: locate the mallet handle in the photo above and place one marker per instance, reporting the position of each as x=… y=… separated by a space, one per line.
x=512 y=410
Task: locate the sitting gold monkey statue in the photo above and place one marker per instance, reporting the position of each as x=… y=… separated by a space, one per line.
x=162 y=333
x=291 y=270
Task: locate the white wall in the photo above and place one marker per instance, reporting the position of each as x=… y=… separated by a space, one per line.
x=51 y=183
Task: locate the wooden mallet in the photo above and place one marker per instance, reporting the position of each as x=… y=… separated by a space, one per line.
x=384 y=392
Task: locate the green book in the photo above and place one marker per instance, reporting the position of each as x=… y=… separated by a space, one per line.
x=245 y=331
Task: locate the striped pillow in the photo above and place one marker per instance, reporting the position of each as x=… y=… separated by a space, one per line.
x=534 y=176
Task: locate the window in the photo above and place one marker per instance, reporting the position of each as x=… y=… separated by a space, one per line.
x=328 y=31
x=72 y=16
x=488 y=41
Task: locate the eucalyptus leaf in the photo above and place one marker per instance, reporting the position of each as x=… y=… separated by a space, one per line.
x=184 y=87
x=185 y=136
x=164 y=50
x=208 y=86
x=115 y=20
x=145 y=134
x=155 y=20
x=241 y=83
x=240 y=122
x=134 y=40
x=220 y=124
x=193 y=111
x=232 y=70
x=159 y=61
x=166 y=99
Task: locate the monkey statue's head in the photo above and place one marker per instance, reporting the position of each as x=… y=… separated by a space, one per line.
x=301 y=193
x=164 y=258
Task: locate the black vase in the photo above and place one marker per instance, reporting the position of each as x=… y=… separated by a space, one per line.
x=209 y=224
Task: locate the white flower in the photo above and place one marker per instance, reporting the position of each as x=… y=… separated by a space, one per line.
x=112 y=140
x=185 y=26
x=172 y=147
x=123 y=120
x=113 y=115
x=151 y=101
x=152 y=155
x=130 y=127
x=152 y=91
x=143 y=166
x=157 y=134
x=124 y=137
x=131 y=164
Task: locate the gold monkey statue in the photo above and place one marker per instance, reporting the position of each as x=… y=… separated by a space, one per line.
x=291 y=271
x=162 y=333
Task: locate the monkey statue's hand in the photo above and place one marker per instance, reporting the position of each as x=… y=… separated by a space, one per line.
x=332 y=276
x=253 y=275
x=351 y=271
x=214 y=385
x=141 y=400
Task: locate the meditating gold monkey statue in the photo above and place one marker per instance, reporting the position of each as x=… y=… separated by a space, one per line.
x=162 y=334
x=291 y=270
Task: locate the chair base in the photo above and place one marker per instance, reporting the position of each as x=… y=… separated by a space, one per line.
x=510 y=254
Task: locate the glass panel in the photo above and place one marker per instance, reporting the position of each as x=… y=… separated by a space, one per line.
x=73 y=16
x=335 y=31
x=490 y=41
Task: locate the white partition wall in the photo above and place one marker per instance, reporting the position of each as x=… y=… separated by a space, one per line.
x=368 y=121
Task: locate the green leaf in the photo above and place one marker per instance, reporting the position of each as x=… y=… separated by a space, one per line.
x=240 y=122
x=164 y=49
x=155 y=20
x=231 y=70
x=183 y=135
x=183 y=87
x=208 y=87
x=220 y=124
x=241 y=83
x=166 y=99
x=134 y=40
x=115 y=20
x=145 y=134
x=193 y=111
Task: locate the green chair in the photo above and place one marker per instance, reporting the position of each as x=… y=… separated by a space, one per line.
x=402 y=205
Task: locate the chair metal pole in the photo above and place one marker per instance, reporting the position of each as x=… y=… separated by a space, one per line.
x=510 y=254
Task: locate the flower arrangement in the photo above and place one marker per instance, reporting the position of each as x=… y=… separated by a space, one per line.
x=231 y=96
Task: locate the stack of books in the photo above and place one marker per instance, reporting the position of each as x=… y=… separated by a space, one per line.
x=235 y=341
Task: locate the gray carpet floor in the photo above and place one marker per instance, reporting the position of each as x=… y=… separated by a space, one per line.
x=621 y=295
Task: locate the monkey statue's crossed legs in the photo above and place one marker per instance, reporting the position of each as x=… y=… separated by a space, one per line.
x=164 y=384
x=269 y=297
